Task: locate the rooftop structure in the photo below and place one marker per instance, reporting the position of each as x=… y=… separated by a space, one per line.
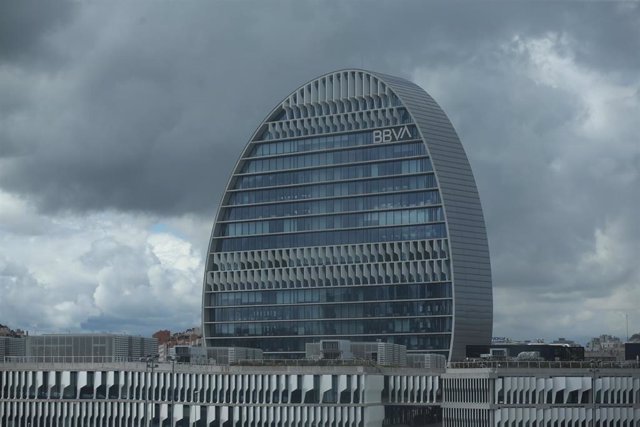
x=558 y=351
x=383 y=354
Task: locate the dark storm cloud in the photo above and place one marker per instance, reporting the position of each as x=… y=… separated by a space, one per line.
x=25 y=25
x=544 y=180
x=156 y=106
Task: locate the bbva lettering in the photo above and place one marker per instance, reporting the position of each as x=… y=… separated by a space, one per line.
x=391 y=135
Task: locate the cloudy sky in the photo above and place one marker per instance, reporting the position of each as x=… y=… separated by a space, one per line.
x=120 y=122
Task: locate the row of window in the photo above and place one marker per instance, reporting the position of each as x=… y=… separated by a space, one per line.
x=329 y=295
x=362 y=154
x=242 y=389
x=334 y=173
x=334 y=222
x=347 y=122
x=351 y=275
x=333 y=327
x=323 y=238
x=318 y=143
x=337 y=105
x=72 y=347
x=330 y=255
x=68 y=350
x=337 y=189
x=334 y=311
x=278 y=344
x=167 y=387
x=351 y=204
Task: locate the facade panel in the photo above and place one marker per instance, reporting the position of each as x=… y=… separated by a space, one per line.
x=336 y=224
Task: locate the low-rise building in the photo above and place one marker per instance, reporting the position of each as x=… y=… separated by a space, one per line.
x=512 y=393
x=188 y=354
x=632 y=351
x=605 y=348
x=278 y=393
x=174 y=394
x=71 y=348
x=11 y=347
x=549 y=352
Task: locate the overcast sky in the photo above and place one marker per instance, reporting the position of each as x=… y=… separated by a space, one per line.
x=120 y=122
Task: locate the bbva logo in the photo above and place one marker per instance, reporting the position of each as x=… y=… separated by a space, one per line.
x=391 y=134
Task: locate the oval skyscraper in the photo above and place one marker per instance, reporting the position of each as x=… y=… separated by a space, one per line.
x=351 y=214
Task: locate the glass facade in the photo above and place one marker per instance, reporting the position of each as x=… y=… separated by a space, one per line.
x=332 y=226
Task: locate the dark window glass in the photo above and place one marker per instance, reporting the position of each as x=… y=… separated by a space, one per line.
x=338 y=311
x=362 y=154
x=331 y=295
x=345 y=204
x=274 y=344
x=332 y=190
x=366 y=219
x=335 y=326
x=367 y=170
x=389 y=234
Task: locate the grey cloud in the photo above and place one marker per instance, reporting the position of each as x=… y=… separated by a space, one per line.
x=560 y=191
x=607 y=40
x=30 y=304
x=25 y=25
x=138 y=291
x=110 y=278
x=152 y=114
x=157 y=101
x=16 y=283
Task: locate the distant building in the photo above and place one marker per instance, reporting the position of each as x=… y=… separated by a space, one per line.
x=188 y=354
x=162 y=336
x=167 y=341
x=632 y=351
x=6 y=331
x=564 y=341
x=10 y=346
x=191 y=336
x=605 y=347
x=548 y=352
x=604 y=343
x=79 y=347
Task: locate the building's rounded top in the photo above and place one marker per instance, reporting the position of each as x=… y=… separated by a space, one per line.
x=336 y=86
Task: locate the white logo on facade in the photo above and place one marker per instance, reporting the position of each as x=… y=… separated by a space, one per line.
x=391 y=135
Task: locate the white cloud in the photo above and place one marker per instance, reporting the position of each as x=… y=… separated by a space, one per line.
x=554 y=147
x=16 y=217
x=103 y=271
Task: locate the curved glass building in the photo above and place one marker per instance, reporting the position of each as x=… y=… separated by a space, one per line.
x=352 y=213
